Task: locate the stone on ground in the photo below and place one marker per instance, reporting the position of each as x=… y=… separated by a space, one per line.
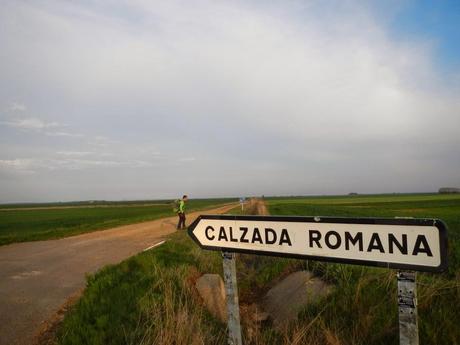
x=212 y=290
x=287 y=298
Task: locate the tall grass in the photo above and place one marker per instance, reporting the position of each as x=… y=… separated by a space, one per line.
x=147 y=299
x=175 y=317
x=150 y=298
x=363 y=306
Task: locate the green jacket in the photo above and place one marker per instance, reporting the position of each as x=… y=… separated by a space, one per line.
x=182 y=206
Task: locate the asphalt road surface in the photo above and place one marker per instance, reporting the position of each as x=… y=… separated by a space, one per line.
x=36 y=278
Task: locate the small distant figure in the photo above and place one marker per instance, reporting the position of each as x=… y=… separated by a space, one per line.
x=181 y=212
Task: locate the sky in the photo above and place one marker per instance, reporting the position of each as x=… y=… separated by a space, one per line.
x=139 y=99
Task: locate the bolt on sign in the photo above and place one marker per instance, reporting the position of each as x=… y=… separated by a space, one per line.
x=401 y=243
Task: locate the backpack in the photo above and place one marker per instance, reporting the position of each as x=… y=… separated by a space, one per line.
x=176 y=205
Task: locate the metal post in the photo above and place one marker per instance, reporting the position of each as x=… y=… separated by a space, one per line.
x=407 y=306
x=231 y=290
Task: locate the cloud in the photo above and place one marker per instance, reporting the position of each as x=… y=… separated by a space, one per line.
x=30 y=124
x=74 y=153
x=49 y=128
x=316 y=96
x=186 y=159
x=65 y=134
x=18 y=107
x=102 y=141
x=34 y=124
x=77 y=164
x=50 y=164
x=22 y=166
x=16 y=163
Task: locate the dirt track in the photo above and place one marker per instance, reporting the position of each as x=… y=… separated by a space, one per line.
x=36 y=278
x=261 y=208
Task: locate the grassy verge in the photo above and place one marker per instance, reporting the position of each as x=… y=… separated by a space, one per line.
x=149 y=298
x=42 y=224
x=362 y=308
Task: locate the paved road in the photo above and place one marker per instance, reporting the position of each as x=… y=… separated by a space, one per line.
x=36 y=278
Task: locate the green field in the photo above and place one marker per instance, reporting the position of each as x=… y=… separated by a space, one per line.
x=87 y=203
x=362 y=310
x=445 y=207
x=147 y=298
x=31 y=222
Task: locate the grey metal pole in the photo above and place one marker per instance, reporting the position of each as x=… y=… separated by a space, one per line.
x=231 y=290
x=407 y=306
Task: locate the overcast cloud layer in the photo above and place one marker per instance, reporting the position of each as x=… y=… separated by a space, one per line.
x=134 y=100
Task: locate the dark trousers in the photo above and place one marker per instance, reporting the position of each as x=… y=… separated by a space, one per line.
x=181 y=224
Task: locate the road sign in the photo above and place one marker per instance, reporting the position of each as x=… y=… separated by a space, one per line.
x=242 y=201
x=402 y=243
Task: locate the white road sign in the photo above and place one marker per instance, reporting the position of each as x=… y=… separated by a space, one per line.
x=415 y=244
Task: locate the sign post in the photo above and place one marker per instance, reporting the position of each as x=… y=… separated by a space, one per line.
x=406 y=244
x=231 y=291
x=407 y=306
x=242 y=200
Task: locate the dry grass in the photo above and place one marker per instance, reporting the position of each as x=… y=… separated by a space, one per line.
x=177 y=317
x=361 y=310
